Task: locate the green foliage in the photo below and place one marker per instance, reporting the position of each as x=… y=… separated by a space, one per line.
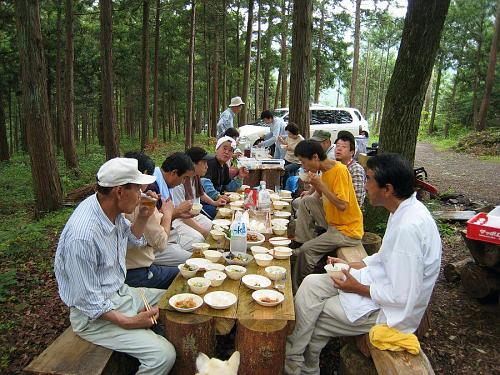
x=7 y=279
x=374 y=218
x=446 y=230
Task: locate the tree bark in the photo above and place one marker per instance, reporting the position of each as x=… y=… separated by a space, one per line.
x=4 y=144
x=364 y=103
x=451 y=108
x=190 y=83
x=355 y=61
x=452 y=270
x=107 y=126
x=477 y=65
x=36 y=116
x=155 y=71
x=301 y=65
x=419 y=44
x=490 y=75
x=284 y=55
x=478 y=281
x=215 y=69
x=427 y=99
x=59 y=106
x=145 y=75
x=237 y=64
x=246 y=71
x=318 y=53
x=257 y=63
x=435 y=99
x=278 y=88
x=69 y=147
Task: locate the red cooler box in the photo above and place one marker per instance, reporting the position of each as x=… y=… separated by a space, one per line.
x=485 y=227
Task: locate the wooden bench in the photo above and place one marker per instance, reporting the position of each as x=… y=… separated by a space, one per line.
x=387 y=362
x=70 y=354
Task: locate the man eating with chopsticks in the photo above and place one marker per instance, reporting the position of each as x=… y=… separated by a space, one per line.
x=90 y=270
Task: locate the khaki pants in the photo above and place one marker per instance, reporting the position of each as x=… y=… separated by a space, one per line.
x=319 y=316
x=155 y=354
x=311 y=215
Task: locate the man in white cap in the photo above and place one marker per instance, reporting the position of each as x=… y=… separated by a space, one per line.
x=90 y=269
x=217 y=179
x=226 y=118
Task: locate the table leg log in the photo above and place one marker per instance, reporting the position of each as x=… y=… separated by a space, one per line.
x=371 y=242
x=353 y=362
x=478 y=281
x=452 y=270
x=261 y=344
x=190 y=334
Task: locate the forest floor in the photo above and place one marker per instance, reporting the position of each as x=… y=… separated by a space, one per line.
x=465 y=334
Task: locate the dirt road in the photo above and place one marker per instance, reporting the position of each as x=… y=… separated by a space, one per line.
x=460 y=173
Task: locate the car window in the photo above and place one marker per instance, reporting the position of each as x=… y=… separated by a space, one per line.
x=280 y=112
x=330 y=117
x=358 y=115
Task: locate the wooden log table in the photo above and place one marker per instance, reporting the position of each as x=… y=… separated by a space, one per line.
x=271 y=174
x=261 y=331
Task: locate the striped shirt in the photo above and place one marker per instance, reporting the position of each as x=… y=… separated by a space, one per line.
x=358 y=180
x=225 y=122
x=90 y=258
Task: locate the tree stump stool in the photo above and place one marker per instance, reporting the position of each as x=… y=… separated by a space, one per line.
x=190 y=334
x=371 y=242
x=261 y=344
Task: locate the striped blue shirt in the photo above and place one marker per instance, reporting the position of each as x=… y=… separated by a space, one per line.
x=90 y=258
x=225 y=122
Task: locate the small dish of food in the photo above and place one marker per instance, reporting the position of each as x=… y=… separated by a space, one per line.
x=275 y=272
x=198 y=285
x=225 y=212
x=200 y=262
x=263 y=260
x=258 y=250
x=279 y=230
x=221 y=222
x=241 y=259
x=188 y=270
x=200 y=246
x=268 y=297
x=254 y=238
x=195 y=209
x=256 y=282
x=185 y=302
x=280 y=221
x=214 y=267
x=282 y=214
x=216 y=277
x=281 y=252
x=220 y=300
x=335 y=270
x=280 y=241
x=212 y=255
x=235 y=272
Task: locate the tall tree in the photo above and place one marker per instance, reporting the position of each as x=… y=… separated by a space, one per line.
x=59 y=106
x=284 y=53
x=110 y=134
x=490 y=75
x=436 y=95
x=419 y=44
x=69 y=146
x=318 y=53
x=355 y=60
x=246 y=70
x=257 y=61
x=301 y=65
x=35 y=107
x=155 y=70
x=190 y=83
x=145 y=75
x=4 y=145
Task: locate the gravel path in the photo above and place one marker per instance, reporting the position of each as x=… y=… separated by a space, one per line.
x=460 y=173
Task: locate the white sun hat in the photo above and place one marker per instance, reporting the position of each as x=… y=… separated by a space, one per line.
x=121 y=171
x=236 y=101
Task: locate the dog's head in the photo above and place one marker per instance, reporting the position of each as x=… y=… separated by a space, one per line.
x=214 y=366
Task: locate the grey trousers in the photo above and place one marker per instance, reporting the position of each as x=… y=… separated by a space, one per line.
x=311 y=215
x=319 y=316
x=155 y=354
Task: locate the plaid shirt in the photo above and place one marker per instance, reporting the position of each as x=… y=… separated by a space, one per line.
x=358 y=180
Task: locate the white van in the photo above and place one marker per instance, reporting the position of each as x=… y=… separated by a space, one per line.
x=323 y=117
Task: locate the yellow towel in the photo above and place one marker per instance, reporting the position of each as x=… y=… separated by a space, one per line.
x=384 y=337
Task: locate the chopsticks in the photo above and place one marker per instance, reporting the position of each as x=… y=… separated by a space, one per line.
x=147 y=305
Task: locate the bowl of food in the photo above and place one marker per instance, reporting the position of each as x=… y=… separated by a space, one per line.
x=281 y=252
x=217 y=234
x=263 y=260
x=280 y=221
x=200 y=262
x=237 y=204
x=187 y=271
x=335 y=270
x=198 y=285
x=233 y=197
x=220 y=300
x=235 y=272
x=200 y=246
x=275 y=272
x=214 y=267
x=216 y=277
x=279 y=241
x=241 y=259
x=285 y=193
x=221 y=223
x=195 y=209
x=268 y=297
x=279 y=230
x=254 y=238
x=185 y=302
x=212 y=255
x=275 y=197
x=282 y=214
x=280 y=205
x=258 y=250
x=256 y=282
x=225 y=212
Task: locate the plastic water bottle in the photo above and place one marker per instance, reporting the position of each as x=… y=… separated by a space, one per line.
x=264 y=200
x=238 y=240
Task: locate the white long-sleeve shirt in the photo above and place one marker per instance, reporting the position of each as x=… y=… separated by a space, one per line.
x=402 y=274
x=277 y=128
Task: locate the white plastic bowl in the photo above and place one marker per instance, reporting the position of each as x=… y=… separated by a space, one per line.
x=185 y=296
x=263 y=260
x=285 y=194
x=280 y=241
x=256 y=282
x=335 y=270
x=279 y=205
x=216 y=277
x=281 y=252
x=200 y=246
x=280 y=222
x=282 y=214
x=220 y=300
x=237 y=204
x=258 y=250
x=214 y=267
x=274 y=297
x=235 y=272
x=200 y=262
x=198 y=285
x=225 y=212
x=221 y=222
x=212 y=255
x=216 y=234
x=196 y=209
x=279 y=230
x=260 y=240
x=275 y=272
x=187 y=273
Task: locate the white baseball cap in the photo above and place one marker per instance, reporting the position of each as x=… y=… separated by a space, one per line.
x=121 y=171
x=225 y=139
x=236 y=101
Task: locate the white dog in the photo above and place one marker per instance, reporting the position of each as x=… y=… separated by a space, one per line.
x=214 y=366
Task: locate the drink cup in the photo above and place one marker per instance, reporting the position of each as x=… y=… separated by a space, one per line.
x=147 y=201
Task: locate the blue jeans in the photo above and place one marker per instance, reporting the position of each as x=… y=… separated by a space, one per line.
x=210 y=210
x=153 y=276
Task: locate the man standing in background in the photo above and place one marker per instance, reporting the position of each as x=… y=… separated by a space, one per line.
x=227 y=117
